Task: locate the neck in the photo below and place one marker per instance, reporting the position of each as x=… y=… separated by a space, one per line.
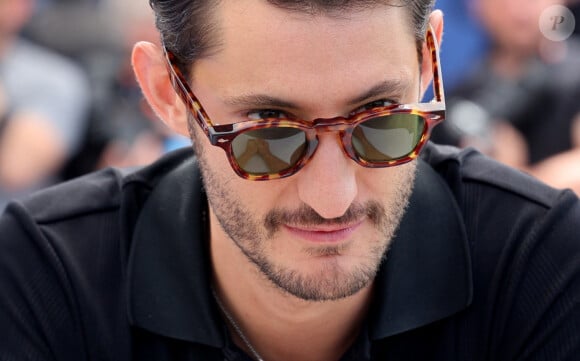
x=280 y=326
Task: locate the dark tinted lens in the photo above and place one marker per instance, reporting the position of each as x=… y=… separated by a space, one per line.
x=269 y=150
x=388 y=138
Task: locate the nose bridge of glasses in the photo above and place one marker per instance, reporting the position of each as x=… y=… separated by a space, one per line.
x=337 y=124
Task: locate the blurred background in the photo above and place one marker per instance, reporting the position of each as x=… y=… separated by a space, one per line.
x=513 y=84
x=69 y=103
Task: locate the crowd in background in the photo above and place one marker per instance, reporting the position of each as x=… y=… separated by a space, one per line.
x=519 y=100
x=69 y=103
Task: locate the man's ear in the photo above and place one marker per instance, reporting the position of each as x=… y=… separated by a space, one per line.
x=436 y=23
x=151 y=73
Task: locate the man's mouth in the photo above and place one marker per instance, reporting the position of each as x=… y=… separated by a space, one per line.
x=330 y=233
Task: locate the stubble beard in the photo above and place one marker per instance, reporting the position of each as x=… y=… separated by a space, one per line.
x=332 y=282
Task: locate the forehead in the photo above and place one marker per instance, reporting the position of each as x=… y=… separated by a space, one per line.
x=271 y=48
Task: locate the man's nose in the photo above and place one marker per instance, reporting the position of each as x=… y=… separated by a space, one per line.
x=328 y=182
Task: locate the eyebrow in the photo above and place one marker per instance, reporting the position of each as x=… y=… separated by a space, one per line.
x=390 y=87
x=259 y=101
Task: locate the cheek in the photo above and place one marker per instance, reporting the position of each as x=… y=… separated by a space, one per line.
x=214 y=159
x=256 y=198
x=386 y=184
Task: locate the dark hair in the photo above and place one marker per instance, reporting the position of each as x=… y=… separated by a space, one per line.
x=187 y=32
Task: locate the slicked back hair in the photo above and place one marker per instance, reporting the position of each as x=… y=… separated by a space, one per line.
x=187 y=28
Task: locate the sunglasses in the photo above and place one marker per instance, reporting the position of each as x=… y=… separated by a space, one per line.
x=275 y=148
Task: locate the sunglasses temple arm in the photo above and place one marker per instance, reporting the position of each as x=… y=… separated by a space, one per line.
x=185 y=93
x=433 y=47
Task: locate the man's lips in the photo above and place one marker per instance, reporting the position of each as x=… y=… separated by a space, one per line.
x=333 y=233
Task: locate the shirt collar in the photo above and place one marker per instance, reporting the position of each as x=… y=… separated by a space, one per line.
x=169 y=272
x=426 y=275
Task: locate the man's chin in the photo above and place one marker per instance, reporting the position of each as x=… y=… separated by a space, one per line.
x=323 y=278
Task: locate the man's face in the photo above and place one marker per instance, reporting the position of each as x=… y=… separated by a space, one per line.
x=13 y=16
x=321 y=233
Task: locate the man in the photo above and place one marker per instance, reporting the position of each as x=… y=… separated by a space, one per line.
x=318 y=234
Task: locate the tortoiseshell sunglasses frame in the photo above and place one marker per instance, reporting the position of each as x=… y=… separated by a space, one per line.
x=222 y=135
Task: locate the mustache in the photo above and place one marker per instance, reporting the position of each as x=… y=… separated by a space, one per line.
x=307 y=216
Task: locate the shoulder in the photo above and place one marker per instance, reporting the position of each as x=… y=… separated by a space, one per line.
x=523 y=240
x=467 y=171
x=102 y=191
x=59 y=255
x=64 y=253
x=93 y=193
x=511 y=220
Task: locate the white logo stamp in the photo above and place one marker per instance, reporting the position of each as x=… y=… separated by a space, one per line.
x=557 y=23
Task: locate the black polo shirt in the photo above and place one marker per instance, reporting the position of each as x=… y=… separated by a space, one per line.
x=115 y=266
